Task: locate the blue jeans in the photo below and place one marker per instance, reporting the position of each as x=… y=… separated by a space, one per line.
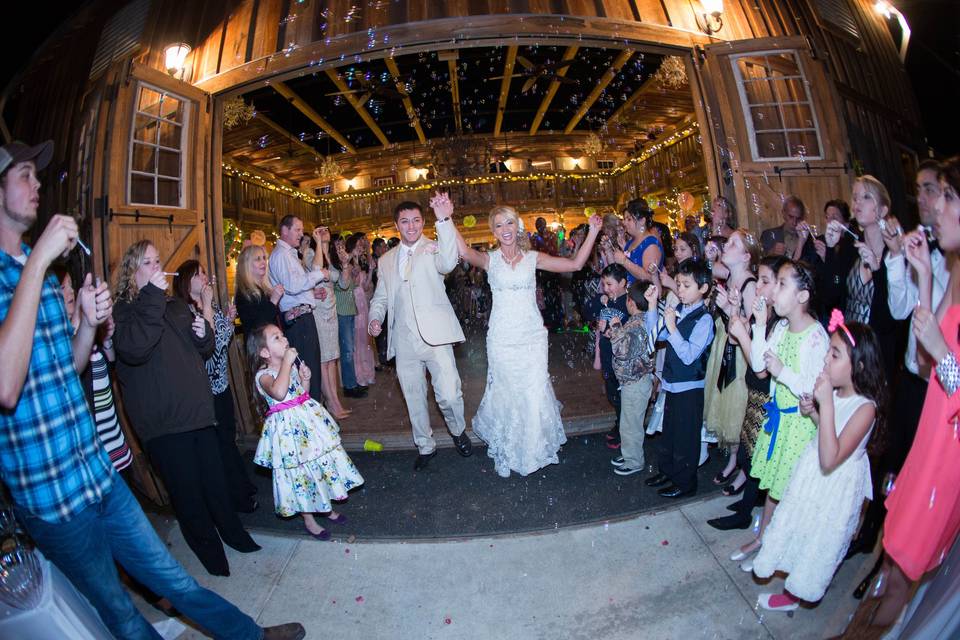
x=85 y=547
x=347 y=373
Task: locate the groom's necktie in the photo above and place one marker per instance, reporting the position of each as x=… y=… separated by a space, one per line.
x=408 y=263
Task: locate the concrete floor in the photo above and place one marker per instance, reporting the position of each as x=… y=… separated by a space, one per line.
x=663 y=575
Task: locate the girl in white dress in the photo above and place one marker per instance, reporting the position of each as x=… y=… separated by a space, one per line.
x=818 y=515
x=300 y=441
x=519 y=416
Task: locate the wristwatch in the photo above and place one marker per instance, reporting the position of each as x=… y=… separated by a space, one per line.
x=439 y=220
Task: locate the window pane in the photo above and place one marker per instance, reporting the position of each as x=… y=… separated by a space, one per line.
x=169 y=164
x=171 y=135
x=171 y=108
x=798 y=116
x=783 y=64
x=141 y=189
x=753 y=67
x=759 y=92
x=765 y=118
x=168 y=193
x=790 y=90
x=149 y=101
x=803 y=144
x=145 y=129
x=144 y=158
x=771 y=145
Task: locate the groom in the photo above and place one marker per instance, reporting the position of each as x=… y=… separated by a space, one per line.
x=423 y=326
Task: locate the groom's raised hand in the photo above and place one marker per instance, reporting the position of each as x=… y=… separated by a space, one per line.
x=374 y=328
x=441 y=205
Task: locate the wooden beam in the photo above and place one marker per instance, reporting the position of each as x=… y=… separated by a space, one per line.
x=608 y=75
x=316 y=118
x=360 y=109
x=455 y=93
x=407 y=104
x=286 y=134
x=505 y=87
x=552 y=90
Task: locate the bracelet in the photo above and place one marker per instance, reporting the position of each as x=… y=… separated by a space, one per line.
x=948 y=372
x=108 y=343
x=439 y=220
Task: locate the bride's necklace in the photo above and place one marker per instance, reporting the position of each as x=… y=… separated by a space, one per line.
x=512 y=260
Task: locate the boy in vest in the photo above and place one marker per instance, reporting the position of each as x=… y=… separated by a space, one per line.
x=686 y=336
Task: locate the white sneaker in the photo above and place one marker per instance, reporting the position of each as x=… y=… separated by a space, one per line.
x=617 y=462
x=626 y=471
x=747 y=565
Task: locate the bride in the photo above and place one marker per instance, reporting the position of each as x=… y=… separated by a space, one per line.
x=519 y=416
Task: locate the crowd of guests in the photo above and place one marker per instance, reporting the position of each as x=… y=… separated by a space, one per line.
x=782 y=350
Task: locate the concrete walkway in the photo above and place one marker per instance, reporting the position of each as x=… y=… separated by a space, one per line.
x=664 y=575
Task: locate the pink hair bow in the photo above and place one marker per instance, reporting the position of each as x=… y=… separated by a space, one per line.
x=836 y=320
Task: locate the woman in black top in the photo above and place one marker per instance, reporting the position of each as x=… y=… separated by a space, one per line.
x=160 y=347
x=256 y=298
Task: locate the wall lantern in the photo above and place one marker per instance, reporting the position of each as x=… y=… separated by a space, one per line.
x=712 y=16
x=176 y=57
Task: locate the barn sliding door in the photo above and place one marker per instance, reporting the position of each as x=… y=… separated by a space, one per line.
x=780 y=128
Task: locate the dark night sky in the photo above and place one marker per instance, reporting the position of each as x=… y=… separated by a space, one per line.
x=933 y=59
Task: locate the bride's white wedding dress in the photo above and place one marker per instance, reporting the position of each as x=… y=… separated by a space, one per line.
x=519 y=416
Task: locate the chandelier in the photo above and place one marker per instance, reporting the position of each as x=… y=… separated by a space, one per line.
x=237 y=112
x=456 y=155
x=672 y=73
x=593 y=145
x=329 y=169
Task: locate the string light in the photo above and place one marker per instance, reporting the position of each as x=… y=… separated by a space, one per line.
x=649 y=152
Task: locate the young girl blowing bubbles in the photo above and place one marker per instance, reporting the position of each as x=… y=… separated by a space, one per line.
x=794 y=355
x=300 y=441
x=812 y=528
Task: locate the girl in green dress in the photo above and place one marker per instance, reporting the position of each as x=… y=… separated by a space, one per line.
x=794 y=355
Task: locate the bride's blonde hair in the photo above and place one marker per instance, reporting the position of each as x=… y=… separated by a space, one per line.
x=523 y=240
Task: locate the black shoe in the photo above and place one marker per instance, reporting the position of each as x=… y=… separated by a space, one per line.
x=657 y=481
x=731 y=491
x=464 y=446
x=674 y=491
x=363 y=389
x=727 y=523
x=252 y=505
x=355 y=392
x=423 y=460
x=859 y=545
x=734 y=506
x=289 y=631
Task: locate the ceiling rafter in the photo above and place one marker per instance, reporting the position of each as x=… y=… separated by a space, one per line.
x=569 y=54
x=505 y=87
x=316 y=118
x=607 y=77
x=407 y=104
x=287 y=134
x=455 y=90
x=358 y=107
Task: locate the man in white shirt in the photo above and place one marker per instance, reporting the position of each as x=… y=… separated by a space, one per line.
x=910 y=382
x=297 y=303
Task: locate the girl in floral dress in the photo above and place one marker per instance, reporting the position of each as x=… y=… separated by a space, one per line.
x=300 y=441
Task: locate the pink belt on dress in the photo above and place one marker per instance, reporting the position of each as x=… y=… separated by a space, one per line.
x=288 y=404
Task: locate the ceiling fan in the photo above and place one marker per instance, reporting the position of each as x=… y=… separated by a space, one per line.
x=379 y=87
x=533 y=72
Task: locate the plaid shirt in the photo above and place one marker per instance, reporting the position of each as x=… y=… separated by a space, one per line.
x=50 y=456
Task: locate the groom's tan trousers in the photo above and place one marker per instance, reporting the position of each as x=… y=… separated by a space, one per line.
x=414 y=357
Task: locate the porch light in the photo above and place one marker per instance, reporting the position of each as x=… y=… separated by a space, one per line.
x=175 y=56
x=712 y=16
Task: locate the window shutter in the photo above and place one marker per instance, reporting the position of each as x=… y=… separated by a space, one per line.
x=120 y=36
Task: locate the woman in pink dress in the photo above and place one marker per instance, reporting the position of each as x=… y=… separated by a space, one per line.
x=923 y=509
x=364 y=360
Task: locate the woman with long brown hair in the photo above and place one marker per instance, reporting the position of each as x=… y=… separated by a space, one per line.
x=193 y=287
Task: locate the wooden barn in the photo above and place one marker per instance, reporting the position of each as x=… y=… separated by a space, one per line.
x=195 y=124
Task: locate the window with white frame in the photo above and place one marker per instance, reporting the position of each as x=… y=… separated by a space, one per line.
x=158 y=148
x=605 y=165
x=323 y=190
x=775 y=96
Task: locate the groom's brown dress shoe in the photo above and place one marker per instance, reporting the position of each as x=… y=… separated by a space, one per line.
x=423 y=460
x=464 y=446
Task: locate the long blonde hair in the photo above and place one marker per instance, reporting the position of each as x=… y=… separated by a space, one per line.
x=523 y=240
x=126 y=288
x=247 y=287
x=877 y=188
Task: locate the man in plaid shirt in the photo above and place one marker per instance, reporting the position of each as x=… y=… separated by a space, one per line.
x=65 y=492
